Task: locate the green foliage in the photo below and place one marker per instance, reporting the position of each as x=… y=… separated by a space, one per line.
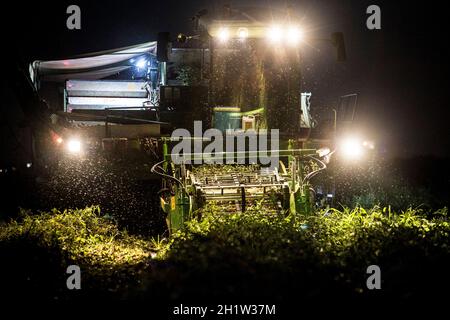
x=330 y=249
x=82 y=236
x=334 y=235
x=367 y=235
x=256 y=252
x=255 y=236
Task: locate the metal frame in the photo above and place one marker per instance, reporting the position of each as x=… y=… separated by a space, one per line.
x=185 y=191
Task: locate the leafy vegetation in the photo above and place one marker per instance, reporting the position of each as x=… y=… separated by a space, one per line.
x=326 y=252
x=82 y=237
x=239 y=255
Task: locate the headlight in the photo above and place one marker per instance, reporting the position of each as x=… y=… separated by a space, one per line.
x=74 y=146
x=291 y=34
x=352 y=148
x=242 y=33
x=294 y=35
x=223 y=34
x=275 y=34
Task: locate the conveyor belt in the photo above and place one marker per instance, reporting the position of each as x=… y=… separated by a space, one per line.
x=237 y=186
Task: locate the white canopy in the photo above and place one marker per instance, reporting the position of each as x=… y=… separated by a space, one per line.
x=89 y=67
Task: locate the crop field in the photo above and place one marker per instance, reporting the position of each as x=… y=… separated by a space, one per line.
x=124 y=252
x=229 y=257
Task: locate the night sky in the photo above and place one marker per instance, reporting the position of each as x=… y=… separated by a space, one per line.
x=400 y=72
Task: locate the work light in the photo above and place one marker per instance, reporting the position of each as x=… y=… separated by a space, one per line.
x=141 y=63
x=351 y=148
x=74 y=146
x=275 y=34
x=223 y=34
x=294 y=35
x=242 y=33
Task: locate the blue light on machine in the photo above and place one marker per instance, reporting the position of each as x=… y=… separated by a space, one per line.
x=141 y=63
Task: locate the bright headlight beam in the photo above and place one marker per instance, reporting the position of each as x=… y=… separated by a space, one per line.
x=223 y=34
x=294 y=35
x=242 y=33
x=74 y=146
x=275 y=34
x=352 y=148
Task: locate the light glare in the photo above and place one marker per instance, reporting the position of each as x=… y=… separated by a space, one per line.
x=141 y=63
x=275 y=34
x=352 y=148
x=223 y=34
x=294 y=35
x=243 y=33
x=369 y=144
x=74 y=146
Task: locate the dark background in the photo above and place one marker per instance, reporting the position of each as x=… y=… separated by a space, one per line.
x=400 y=71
